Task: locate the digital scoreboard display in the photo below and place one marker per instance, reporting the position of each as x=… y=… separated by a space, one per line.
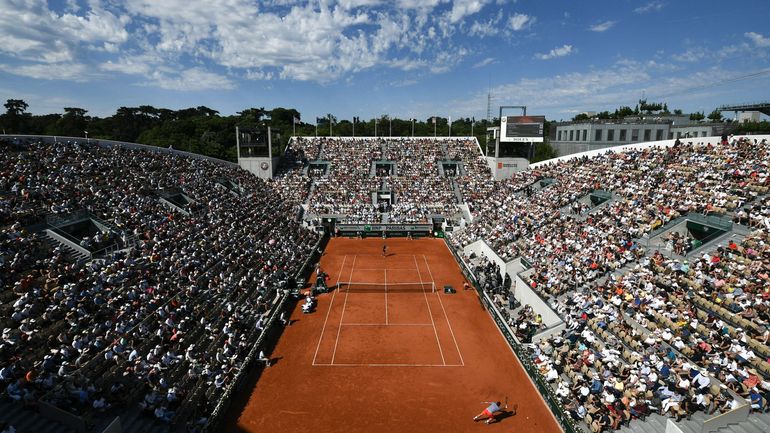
x=523 y=129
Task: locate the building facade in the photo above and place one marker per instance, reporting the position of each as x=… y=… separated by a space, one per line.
x=574 y=137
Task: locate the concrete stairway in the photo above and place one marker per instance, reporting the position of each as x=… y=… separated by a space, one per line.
x=756 y=423
x=134 y=421
x=71 y=253
x=456 y=189
x=29 y=421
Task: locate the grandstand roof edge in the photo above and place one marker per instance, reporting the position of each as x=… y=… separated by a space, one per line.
x=123 y=144
x=399 y=137
x=637 y=146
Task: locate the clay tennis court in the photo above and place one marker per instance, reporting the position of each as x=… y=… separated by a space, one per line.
x=385 y=352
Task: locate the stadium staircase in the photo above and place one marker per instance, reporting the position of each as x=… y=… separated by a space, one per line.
x=456 y=189
x=311 y=191
x=134 y=421
x=445 y=149
x=755 y=423
x=70 y=252
x=29 y=421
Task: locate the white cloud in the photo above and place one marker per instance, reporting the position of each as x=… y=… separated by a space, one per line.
x=350 y=4
x=315 y=41
x=463 y=8
x=133 y=65
x=30 y=31
x=403 y=83
x=758 y=40
x=485 y=62
x=692 y=54
x=653 y=6
x=520 y=22
x=597 y=89
x=602 y=27
x=486 y=28
x=173 y=43
x=51 y=71
x=561 y=51
x=189 y=80
x=259 y=75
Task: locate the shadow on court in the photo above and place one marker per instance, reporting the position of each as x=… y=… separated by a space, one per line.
x=503 y=414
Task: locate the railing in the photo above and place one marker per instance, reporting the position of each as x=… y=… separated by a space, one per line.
x=733 y=107
x=217 y=415
x=464 y=267
x=716 y=221
x=56 y=220
x=605 y=195
x=562 y=417
x=549 y=396
x=265 y=338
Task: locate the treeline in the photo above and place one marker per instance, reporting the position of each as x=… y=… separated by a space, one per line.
x=204 y=131
x=646 y=108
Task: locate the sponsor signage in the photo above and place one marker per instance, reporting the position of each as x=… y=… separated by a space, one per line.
x=385 y=227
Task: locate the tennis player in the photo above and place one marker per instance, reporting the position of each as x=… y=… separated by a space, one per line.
x=384 y=250
x=491 y=411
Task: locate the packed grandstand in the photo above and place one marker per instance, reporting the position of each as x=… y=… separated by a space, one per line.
x=184 y=262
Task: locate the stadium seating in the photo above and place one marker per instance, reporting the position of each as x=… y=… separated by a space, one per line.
x=164 y=324
x=672 y=331
x=679 y=328
x=347 y=191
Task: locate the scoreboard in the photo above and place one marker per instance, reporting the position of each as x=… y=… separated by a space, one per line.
x=522 y=129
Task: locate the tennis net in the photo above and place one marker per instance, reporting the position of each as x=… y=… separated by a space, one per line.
x=354 y=287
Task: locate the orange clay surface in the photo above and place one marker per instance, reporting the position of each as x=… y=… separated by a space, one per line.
x=380 y=362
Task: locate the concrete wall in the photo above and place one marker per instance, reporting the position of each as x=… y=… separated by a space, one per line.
x=694 y=131
x=504 y=168
x=481 y=248
x=621 y=133
x=526 y=295
x=521 y=290
x=263 y=167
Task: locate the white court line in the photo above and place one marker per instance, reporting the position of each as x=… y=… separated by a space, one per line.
x=387 y=324
x=388 y=365
x=430 y=313
x=460 y=354
x=389 y=268
x=386 y=295
x=339 y=328
x=330 y=309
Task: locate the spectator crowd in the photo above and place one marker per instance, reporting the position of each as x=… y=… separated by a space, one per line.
x=165 y=323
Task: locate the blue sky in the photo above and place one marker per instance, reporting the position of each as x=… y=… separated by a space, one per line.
x=371 y=57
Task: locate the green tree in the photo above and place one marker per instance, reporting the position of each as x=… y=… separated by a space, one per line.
x=697 y=116
x=544 y=151
x=252 y=116
x=74 y=122
x=715 y=116
x=625 y=111
x=581 y=117
x=15 y=116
